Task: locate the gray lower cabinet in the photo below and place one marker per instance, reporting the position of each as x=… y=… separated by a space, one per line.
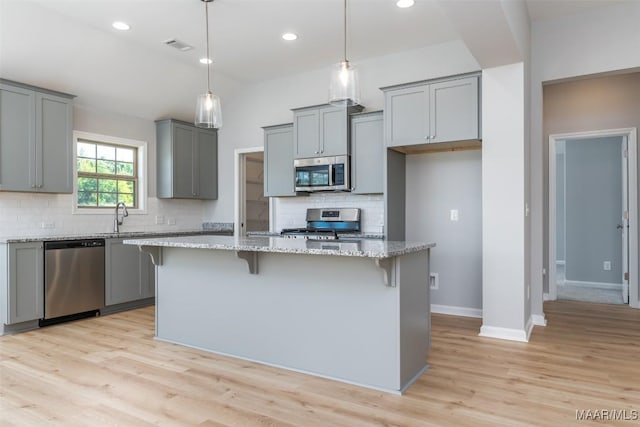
x=36 y=147
x=321 y=130
x=129 y=273
x=278 y=161
x=22 y=281
x=367 y=147
x=187 y=161
x=432 y=112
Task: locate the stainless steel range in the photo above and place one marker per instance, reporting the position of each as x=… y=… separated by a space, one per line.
x=326 y=224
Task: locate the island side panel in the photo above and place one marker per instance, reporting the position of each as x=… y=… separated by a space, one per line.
x=327 y=315
x=415 y=314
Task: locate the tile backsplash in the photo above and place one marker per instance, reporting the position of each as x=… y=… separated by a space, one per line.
x=27 y=214
x=290 y=212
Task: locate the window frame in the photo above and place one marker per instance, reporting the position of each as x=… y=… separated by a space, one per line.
x=140 y=172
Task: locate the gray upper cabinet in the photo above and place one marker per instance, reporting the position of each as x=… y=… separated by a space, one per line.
x=23 y=283
x=36 y=147
x=187 y=161
x=407 y=116
x=367 y=147
x=278 y=161
x=321 y=131
x=129 y=273
x=432 y=112
x=306 y=133
x=454 y=110
x=206 y=183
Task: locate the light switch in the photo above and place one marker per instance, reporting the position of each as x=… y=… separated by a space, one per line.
x=606 y=265
x=454 y=214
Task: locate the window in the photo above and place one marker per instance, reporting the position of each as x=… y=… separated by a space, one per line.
x=109 y=170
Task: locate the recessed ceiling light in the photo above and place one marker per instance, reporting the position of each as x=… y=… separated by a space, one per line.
x=405 y=3
x=122 y=26
x=289 y=36
x=206 y=61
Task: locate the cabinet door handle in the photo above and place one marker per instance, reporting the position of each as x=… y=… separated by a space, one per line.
x=316 y=152
x=427 y=137
x=432 y=137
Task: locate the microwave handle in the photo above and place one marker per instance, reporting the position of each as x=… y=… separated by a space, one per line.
x=332 y=175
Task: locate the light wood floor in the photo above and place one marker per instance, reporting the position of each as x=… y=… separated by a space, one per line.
x=110 y=371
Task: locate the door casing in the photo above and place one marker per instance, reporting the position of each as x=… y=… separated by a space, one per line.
x=632 y=221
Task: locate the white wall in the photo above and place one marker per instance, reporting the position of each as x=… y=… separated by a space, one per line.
x=270 y=103
x=597 y=41
x=503 y=203
x=23 y=214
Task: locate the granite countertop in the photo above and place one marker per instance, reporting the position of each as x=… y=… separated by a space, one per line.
x=363 y=235
x=121 y=235
x=365 y=248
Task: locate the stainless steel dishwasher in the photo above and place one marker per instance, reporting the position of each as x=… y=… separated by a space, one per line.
x=73 y=279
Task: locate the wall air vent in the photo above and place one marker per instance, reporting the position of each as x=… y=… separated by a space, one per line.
x=180 y=45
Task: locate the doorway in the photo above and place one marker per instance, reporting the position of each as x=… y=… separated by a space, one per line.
x=252 y=209
x=592 y=216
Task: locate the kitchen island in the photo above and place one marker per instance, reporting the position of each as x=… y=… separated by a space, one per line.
x=356 y=311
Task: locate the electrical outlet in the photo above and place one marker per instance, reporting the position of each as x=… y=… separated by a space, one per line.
x=48 y=225
x=454 y=214
x=171 y=221
x=159 y=219
x=606 y=265
x=434 y=283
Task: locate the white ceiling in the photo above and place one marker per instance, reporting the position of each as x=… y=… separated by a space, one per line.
x=69 y=45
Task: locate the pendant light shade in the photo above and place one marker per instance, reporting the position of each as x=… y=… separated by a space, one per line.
x=344 y=88
x=208 y=110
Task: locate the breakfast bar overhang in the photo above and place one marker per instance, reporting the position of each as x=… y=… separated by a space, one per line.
x=354 y=311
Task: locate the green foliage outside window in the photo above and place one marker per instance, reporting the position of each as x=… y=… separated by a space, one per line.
x=106 y=175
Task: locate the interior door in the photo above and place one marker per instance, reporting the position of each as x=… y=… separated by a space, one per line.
x=624 y=223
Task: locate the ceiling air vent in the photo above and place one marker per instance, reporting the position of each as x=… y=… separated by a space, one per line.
x=180 y=45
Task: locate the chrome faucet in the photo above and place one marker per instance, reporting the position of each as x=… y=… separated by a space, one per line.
x=118 y=221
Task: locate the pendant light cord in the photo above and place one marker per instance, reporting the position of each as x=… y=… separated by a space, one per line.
x=206 y=20
x=345 y=31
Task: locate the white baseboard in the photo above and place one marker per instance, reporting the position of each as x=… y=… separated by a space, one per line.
x=529 y=327
x=521 y=335
x=456 y=311
x=546 y=297
x=538 y=320
x=596 y=285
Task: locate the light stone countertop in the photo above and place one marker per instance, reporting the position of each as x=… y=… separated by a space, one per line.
x=364 y=248
x=121 y=235
x=354 y=235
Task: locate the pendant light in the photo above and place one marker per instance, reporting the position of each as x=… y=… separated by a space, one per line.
x=208 y=111
x=343 y=89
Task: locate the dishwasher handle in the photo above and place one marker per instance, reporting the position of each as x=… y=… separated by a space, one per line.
x=72 y=244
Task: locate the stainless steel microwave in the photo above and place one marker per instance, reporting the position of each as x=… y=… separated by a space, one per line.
x=322 y=174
